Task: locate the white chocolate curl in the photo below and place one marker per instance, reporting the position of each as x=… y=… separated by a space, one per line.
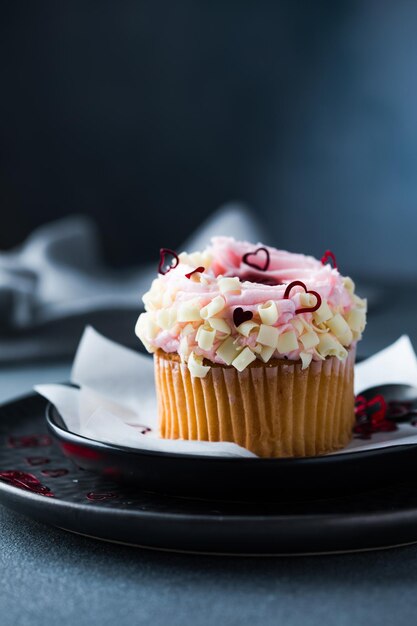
x=188 y=312
x=205 y=337
x=243 y=359
x=298 y=325
x=166 y=318
x=266 y=353
x=348 y=284
x=306 y=358
x=361 y=303
x=212 y=308
x=339 y=327
x=229 y=285
x=309 y=339
x=228 y=350
x=167 y=299
x=184 y=349
x=268 y=312
x=323 y=313
x=195 y=259
x=187 y=330
x=246 y=328
x=357 y=320
x=268 y=336
x=146 y=330
x=308 y=299
x=196 y=367
x=220 y=325
x=330 y=346
x=287 y=342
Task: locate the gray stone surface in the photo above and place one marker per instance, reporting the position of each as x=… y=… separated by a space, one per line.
x=20 y=379
x=51 y=577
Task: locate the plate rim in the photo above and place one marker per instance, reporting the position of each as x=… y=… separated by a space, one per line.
x=71 y=437
x=388 y=517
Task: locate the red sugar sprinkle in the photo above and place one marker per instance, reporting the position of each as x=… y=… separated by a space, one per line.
x=307 y=309
x=25 y=481
x=262 y=268
x=37 y=460
x=329 y=255
x=162 y=262
x=371 y=416
x=198 y=270
x=99 y=497
x=54 y=473
x=29 y=441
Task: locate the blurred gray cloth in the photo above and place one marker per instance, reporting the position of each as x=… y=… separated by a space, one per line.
x=56 y=283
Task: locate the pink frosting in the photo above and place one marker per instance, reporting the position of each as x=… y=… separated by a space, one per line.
x=225 y=258
x=284 y=268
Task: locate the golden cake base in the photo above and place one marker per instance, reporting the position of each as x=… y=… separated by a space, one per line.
x=274 y=409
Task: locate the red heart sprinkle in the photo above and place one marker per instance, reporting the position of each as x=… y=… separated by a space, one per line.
x=37 y=460
x=162 y=269
x=198 y=270
x=307 y=309
x=371 y=417
x=263 y=267
x=99 y=497
x=377 y=407
x=54 y=473
x=240 y=316
x=25 y=481
x=29 y=441
x=329 y=255
x=360 y=405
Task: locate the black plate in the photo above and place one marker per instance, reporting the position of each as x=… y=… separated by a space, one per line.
x=235 y=478
x=99 y=507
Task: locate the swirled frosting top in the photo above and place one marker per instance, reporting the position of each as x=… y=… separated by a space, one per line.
x=236 y=302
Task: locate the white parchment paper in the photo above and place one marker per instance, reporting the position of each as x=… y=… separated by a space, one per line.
x=116 y=401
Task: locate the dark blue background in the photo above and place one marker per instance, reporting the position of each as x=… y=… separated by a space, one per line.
x=148 y=115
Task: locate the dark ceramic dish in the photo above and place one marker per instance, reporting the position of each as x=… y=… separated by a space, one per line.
x=38 y=480
x=235 y=478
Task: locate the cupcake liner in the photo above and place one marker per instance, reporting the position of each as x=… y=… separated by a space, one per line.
x=274 y=409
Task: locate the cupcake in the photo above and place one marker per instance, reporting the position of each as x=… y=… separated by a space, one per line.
x=255 y=346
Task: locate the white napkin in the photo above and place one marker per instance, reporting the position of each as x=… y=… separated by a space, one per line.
x=116 y=402
x=56 y=282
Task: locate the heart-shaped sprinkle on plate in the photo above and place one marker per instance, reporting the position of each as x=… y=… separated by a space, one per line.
x=240 y=316
x=258 y=259
x=371 y=417
x=165 y=265
x=29 y=441
x=329 y=255
x=100 y=497
x=307 y=309
x=55 y=473
x=25 y=481
x=37 y=460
